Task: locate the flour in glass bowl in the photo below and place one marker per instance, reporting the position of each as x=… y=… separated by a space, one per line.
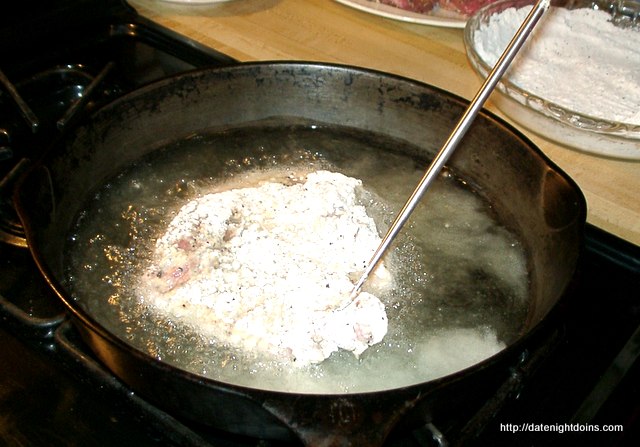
x=577 y=59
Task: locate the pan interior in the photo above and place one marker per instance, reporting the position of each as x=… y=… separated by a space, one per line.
x=461 y=291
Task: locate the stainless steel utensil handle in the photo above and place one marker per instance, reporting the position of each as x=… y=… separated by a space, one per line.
x=452 y=142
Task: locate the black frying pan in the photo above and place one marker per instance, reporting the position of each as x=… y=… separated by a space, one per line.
x=543 y=204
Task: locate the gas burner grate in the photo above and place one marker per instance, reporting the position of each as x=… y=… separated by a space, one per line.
x=42 y=99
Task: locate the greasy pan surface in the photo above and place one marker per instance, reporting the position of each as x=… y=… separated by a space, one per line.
x=538 y=200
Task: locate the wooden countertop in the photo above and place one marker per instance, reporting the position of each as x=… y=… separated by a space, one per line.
x=327 y=31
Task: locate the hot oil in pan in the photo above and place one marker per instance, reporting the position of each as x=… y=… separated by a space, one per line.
x=461 y=277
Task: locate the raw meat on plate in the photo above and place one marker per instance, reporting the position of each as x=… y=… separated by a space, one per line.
x=462 y=7
x=421 y=6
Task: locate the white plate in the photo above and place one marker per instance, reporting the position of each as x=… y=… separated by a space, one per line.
x=436 y=17
x=202 y=2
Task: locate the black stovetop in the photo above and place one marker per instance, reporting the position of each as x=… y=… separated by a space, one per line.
x=53 y=391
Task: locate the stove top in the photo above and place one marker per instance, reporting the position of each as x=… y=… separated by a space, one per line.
x=583 y=375
x=74 y=57
x=55 y=392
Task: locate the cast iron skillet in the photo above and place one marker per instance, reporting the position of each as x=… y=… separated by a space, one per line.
x=540 y=202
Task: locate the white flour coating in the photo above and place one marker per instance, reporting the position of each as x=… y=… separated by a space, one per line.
x=576 y=58
x=264 y=269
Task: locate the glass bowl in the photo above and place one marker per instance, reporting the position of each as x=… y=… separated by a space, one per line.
x=554 y=121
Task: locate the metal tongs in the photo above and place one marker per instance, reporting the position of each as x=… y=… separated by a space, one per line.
x=452 y=142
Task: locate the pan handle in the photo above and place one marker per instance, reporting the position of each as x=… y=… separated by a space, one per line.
x=341 y=421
